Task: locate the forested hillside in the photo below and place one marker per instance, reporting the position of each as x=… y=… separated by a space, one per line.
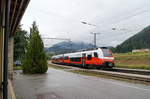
x=139 y=41
x=66 y=47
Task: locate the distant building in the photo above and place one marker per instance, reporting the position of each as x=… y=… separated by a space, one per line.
x=141 y=50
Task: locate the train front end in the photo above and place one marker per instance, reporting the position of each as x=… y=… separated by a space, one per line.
x=107 y=57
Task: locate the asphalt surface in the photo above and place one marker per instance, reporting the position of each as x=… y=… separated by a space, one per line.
x=59 y=84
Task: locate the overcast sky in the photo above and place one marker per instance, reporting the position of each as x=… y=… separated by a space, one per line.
x=62 y=19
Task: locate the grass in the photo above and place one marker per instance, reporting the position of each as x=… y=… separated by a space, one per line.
x=17 y=68
x=96 y=74
x=87 y=73
x=139 y=60
x=147 y=67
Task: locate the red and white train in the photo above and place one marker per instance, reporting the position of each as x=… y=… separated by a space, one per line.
x=100 y=57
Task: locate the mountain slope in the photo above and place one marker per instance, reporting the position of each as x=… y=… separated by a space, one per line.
x=65 y=47
x=139 y=41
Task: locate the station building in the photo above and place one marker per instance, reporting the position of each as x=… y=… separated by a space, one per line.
x=11 y=13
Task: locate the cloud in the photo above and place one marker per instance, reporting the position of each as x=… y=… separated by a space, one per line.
x=62 y=18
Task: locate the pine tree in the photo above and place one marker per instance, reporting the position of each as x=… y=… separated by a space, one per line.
x=20 y=43
x=35 y=58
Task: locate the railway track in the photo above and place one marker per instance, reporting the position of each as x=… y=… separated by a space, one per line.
x=130 y=71
x=131 y=74
x=121 y=70
x=133 y=71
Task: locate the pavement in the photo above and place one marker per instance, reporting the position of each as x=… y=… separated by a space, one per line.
x=59 y=84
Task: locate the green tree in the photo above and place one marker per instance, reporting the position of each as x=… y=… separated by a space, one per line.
x=20 y=43
x=35 y=58
x=33 y=29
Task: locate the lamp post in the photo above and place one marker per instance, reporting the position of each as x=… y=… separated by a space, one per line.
x=83 y=22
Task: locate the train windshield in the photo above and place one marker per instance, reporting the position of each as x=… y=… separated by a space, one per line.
x=107 y=52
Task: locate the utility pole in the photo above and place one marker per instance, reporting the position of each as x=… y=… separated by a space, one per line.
x=94 y=38
x=70 y=46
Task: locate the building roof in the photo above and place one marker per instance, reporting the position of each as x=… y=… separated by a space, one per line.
x=17 y=10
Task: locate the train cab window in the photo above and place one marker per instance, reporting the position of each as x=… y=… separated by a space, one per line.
x=107 y=52
x=89 y=57
x=95 y=54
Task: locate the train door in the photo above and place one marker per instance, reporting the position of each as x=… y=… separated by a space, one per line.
x=63 y=59
x=83 y=59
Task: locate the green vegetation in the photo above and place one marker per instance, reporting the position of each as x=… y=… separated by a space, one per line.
x=17 y=67
x=96 y=74
x=139 y=60
x=49 y=55
x=35 y=58
x=20 y=43
x=139 y=41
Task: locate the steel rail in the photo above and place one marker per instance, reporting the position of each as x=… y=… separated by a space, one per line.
x=115 y=73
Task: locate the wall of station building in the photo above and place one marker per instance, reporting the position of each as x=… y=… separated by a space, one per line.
x=10 y=57
x=1 y=60
x=2 y=16
x=15 y=4
x=10 y=48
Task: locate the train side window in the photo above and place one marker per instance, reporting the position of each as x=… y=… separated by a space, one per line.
x=77 y=59
x=72 y=59
x=95 y=54
x=89 y=57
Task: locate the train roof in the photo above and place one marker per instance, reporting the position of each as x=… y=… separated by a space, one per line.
x=79 y=52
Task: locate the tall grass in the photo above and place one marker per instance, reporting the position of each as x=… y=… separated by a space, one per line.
x=138 y=60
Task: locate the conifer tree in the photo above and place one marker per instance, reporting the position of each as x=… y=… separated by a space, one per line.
x=20 y=43
x=35 y=58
